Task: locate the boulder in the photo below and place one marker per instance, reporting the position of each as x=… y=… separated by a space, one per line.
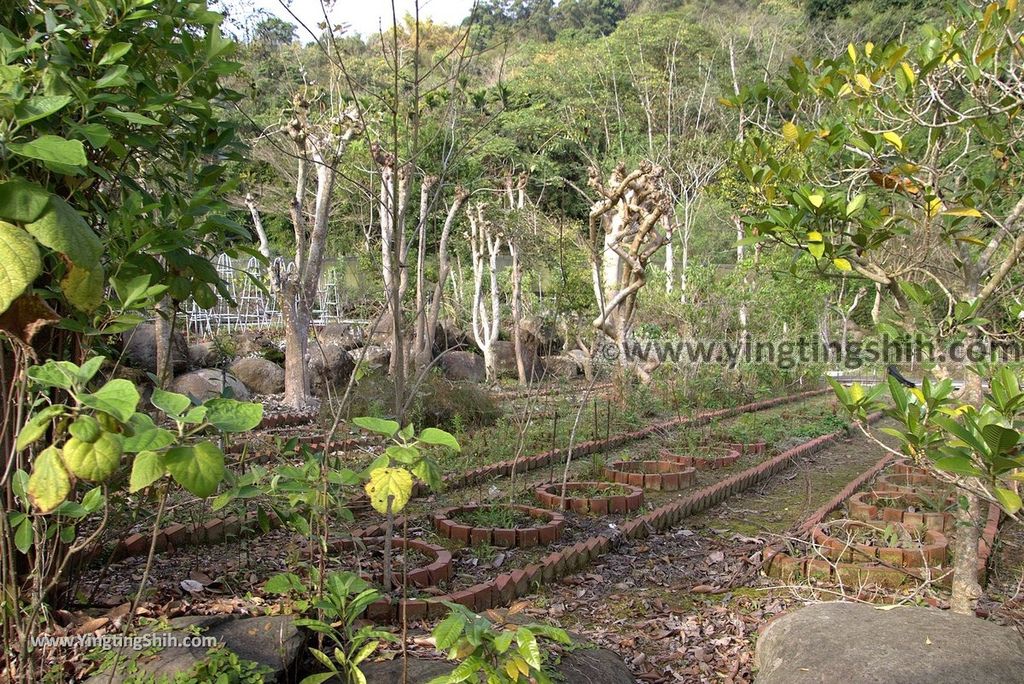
x=562 y=366
x=254 y=343
x=587 y=665
x=907 y=644
x=347 y=336
x=541 y=335
x=583 y=361
x=140 y=348
x=203 y=355
x=207 y=383
x=330 y=365
x=505 y=359
x=448 y=336
x=372 y=355
x=271 y=640
x=463 y=365
x=259 y=375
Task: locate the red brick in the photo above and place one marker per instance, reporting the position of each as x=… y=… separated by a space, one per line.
x=529 y=537
x=214 y=531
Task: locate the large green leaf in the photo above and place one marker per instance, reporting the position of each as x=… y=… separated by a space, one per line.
x=171 y=403
x=146 y=436
x=378 y=425
x=22 y=201
x=62 y=229
x=999 y=438
x=118 y=397
x=393 y=483
x=147 y=468
x=53 y=149
x=230 y=415
x=37 y=425
x=1008 y=499
x=448 y=631
x=198 y=468
x=49 y=484
x=94 y=461
x=20 y=263
x=86 y=429
x=39 y=107
x=440 y=437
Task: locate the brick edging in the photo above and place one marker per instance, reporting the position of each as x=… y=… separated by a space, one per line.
x=665 y=476
x=550 y=494
x=549 y=531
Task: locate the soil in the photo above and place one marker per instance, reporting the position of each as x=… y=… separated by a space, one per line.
x=496 y=516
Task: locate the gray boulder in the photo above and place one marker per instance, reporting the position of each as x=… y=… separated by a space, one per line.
x=563 y=366
x=271 y=640
x=372 y=355
x=462 y=365
x=259 y=375
x=448 y=337
x=140 y=348
x=345 y=336
x=330 y=366
x=586 y=665
x=203 y=355
x=207 y=383
x=861 y=644
x=505 y=360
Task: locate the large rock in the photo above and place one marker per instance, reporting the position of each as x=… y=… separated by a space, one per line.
x=273 y=641
x=347 y=336
x=140 y=348
x=541 y=335
x=462 y=365
x=372 y=355
x=448 y=337
x=207 y=383
x=253 y=342
x=583 y=360
x=330 y=365
x=563 y=366
x=505 y=360
x=203 y=355
x=587 y=665
x=259 y=375
x=859 y=644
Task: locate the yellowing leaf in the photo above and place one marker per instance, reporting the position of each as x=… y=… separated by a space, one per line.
x=894 y=139
x=816 y=199
x=790 y=132
x=963 y=211
x=815 y=244
x=845 y=89
x=852 y=52
x=934 y=207
x=908 y=72
x=863 y=82
x=842 y=264
x=393 y=483
x=49 y=483
x=869 y=47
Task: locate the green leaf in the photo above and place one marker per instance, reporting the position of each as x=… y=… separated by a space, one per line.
x=171 y=403
x=146 y=436
x=198 y=468
x=49 y=484
x=52 y=149
x=86 y=429
x=115 y=52
x=62 y=229
x=118 y=397
x=23 y=535
x=20 y=263
x=83 y=287
x=22 y=201
x=439 y=437
x=130 y=117
x=283 y=583
x=528 y=647
x=62 y=374
x=856 y=204
x=36 y=426
x=999 y=438
x=147 y=468
x=504 y=640
x=395 y=483
x=959 y=464
x=230 y=415
x=378 y=425
x=94 y=461
x=427 y=471
x=448 y=630
x=1008 y=499
x=39 y=107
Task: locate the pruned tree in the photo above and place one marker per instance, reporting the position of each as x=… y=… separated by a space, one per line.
x=319 y=146
x=623 y=237
x=484 y=245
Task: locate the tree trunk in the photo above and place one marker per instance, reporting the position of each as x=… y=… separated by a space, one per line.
x=965 y=589
x=490 y=362
x=162 y=337
x=517 y=314
x=296 y=350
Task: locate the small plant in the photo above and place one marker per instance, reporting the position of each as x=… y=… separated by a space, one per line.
x=345 y=597
x=495 y=654
x=494 y=516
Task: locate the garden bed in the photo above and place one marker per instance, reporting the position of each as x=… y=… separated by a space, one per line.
x=912 y=483
x=666 y=476
x=912 y=510
x=719 y=457
x=499 y=525
x=599 y=498
x=891 y=543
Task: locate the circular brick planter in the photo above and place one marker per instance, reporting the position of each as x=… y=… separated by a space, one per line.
x=932 y=552
x=548 y=529
x=666 y=476
x=911 y=482
x=781 y=565
x=550 y=495
x=908 y=468
x=719 y=457
x=433 y=573
x=748 y=448
x=865 y=506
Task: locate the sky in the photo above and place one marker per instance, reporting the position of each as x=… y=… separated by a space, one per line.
x=366 y=16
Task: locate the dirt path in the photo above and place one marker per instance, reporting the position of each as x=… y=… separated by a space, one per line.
x=686 y=606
